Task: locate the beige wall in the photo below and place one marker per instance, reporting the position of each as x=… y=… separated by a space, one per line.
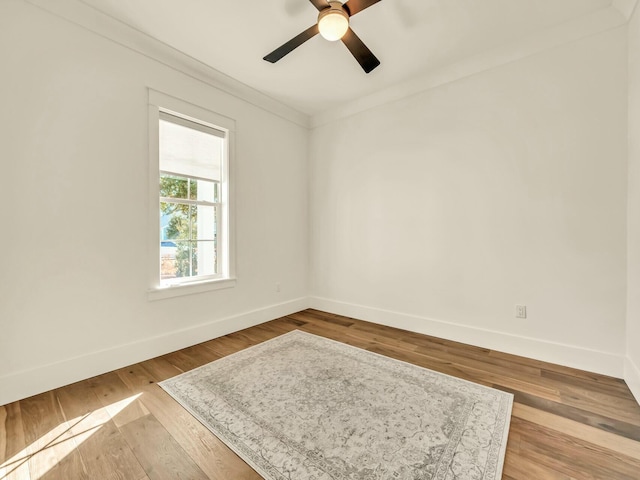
x=74 y=169
x=632 y=367
x=442 y=211
x=436 y=213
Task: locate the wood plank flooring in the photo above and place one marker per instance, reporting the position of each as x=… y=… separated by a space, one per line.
x=566 y=424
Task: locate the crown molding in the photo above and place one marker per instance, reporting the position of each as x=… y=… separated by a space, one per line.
x=99 y=23
x=588 y=25
x=88 y=17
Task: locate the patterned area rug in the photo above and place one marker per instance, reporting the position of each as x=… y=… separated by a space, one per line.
x=302 y=407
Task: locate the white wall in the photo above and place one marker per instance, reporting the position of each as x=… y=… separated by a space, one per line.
x=74 y=170
x=436 y=213
x=440 y=212
x=632 y=366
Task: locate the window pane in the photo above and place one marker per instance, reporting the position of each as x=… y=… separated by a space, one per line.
x=176 y=259
x=204 y=222
x=170 y=266
x=174 y=221
x=193 y=189
x=174 y=187
x=206 y=258
x=167 y=260
x=207 y=191
x=179 y=259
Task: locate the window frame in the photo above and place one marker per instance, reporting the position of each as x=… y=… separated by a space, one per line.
x=159 y=104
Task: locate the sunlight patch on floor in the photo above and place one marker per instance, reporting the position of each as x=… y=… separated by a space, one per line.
x=46 y=452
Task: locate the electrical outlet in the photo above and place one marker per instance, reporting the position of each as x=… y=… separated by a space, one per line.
x=521 y=311
x=277 y=286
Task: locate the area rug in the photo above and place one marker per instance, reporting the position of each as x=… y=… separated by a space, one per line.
x=302 y=407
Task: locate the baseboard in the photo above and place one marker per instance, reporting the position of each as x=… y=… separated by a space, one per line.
x=30 y=382
x=568 y=355
x=632 y=377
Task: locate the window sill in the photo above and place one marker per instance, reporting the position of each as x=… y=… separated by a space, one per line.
x=189 y=288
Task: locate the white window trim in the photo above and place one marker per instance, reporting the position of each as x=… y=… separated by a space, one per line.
x=161 y=102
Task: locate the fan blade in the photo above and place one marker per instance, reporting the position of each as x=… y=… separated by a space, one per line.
x=292 y=44
x=359 y=50
x=320 y=4
x=354 y=6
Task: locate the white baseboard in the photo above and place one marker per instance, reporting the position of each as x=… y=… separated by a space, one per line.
x=30 y=382
x=632 y=377
x=568 y=355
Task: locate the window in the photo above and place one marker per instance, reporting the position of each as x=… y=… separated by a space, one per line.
x=191 y=162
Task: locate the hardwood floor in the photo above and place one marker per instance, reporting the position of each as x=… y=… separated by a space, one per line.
x=566 y=424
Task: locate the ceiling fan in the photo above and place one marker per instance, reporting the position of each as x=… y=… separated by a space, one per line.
x=333 y=24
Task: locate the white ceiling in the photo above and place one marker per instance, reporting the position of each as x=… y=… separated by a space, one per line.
x=410 y=37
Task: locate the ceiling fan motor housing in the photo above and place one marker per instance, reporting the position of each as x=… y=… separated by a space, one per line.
x=334 y=7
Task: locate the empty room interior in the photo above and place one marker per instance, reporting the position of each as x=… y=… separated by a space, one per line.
x=457 y=189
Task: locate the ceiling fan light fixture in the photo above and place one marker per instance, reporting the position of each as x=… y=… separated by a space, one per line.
x=333 y=22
